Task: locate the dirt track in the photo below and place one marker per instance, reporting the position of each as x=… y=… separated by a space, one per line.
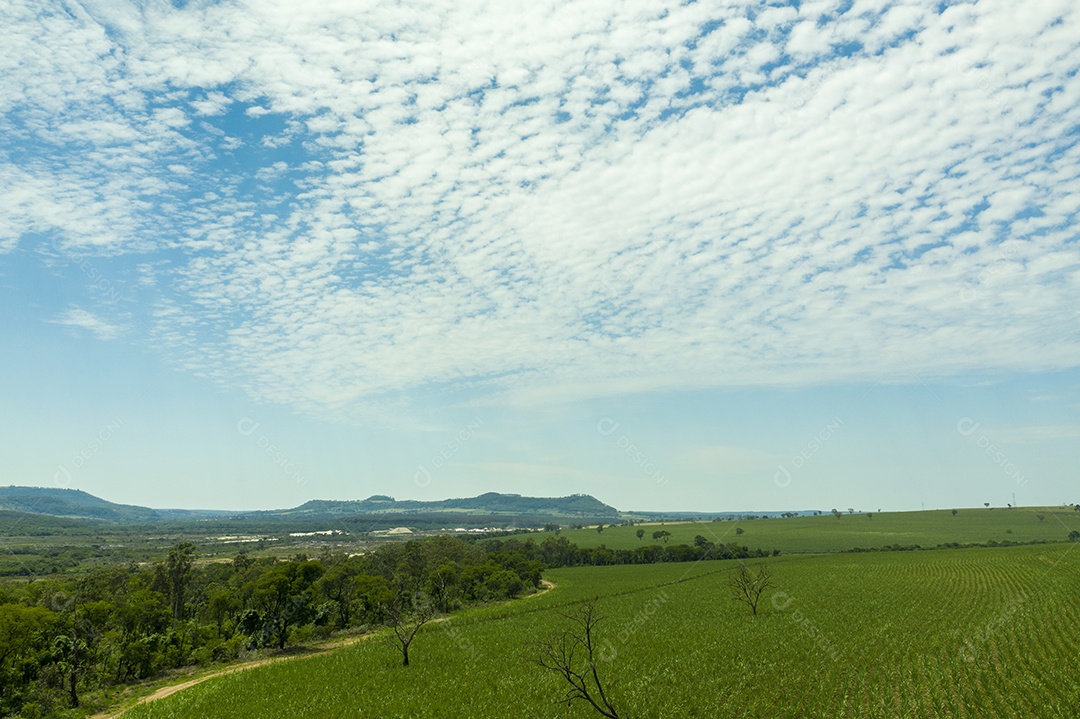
x=174 y=688
x=314 y=652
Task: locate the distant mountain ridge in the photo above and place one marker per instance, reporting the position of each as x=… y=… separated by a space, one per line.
x=490 y=503
x=75 y=503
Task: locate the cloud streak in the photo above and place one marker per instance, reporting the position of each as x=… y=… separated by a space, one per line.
x=100 y=328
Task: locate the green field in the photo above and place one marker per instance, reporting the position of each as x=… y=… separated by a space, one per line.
x=828 y=534
x=979 y=633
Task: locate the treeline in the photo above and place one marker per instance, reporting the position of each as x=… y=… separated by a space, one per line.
x=62 y=640
x=560 y=552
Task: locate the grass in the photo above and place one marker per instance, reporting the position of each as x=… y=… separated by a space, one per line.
x=985 y=632
x=828 y=534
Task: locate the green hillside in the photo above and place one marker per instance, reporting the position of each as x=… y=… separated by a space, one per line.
x=489 y=503
x=490 y=507
x=952 y=633
x=828 y=534
x=70 y=503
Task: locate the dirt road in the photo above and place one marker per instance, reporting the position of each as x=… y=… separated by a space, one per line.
x=313 y=652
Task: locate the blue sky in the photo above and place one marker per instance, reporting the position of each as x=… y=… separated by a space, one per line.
x=715 y=256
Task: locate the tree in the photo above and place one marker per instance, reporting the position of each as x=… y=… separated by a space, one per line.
x=739 y=530
x=747 y=587
x=986 y=504
x=1041 y=517
x=220 y=604
x=954 y=512
x=339 y=584
x=284 y=594
x=71 y=655
x=662 y=534
x=177 y=575
x=405 y=615
x=65 y=655
x=573 y=655
x=442 y=584
x=640 y=533
x=21 y=632
x=869 y=515
x=600 y=528
x=836 y=513
x=1074 y=536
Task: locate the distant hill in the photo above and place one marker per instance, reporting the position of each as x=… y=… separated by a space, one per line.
x=70 y=503
x=580 y=506
x=75 y=503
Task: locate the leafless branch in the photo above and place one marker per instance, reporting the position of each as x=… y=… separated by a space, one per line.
x=572 y=655
x=748 y=587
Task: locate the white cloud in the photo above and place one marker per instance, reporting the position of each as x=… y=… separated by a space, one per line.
x=100 y=328
x=499 y=196
x=215 y=103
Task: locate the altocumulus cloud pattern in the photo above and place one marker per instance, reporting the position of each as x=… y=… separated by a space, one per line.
x=330 y=203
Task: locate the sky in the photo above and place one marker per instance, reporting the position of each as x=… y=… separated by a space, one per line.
x=711 y=256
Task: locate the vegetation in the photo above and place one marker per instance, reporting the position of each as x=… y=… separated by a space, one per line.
x=574 y=655
x=841 y=635
x=489 y=503
x=855 y=621
x=747 y=587
x=61 y=638
x=76 y=504
x=405 y=616
x=825 y=534
x=560 y=552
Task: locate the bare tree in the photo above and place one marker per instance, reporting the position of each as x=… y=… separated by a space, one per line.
x=405 y=617
x=573 y=655
x=747 y=587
